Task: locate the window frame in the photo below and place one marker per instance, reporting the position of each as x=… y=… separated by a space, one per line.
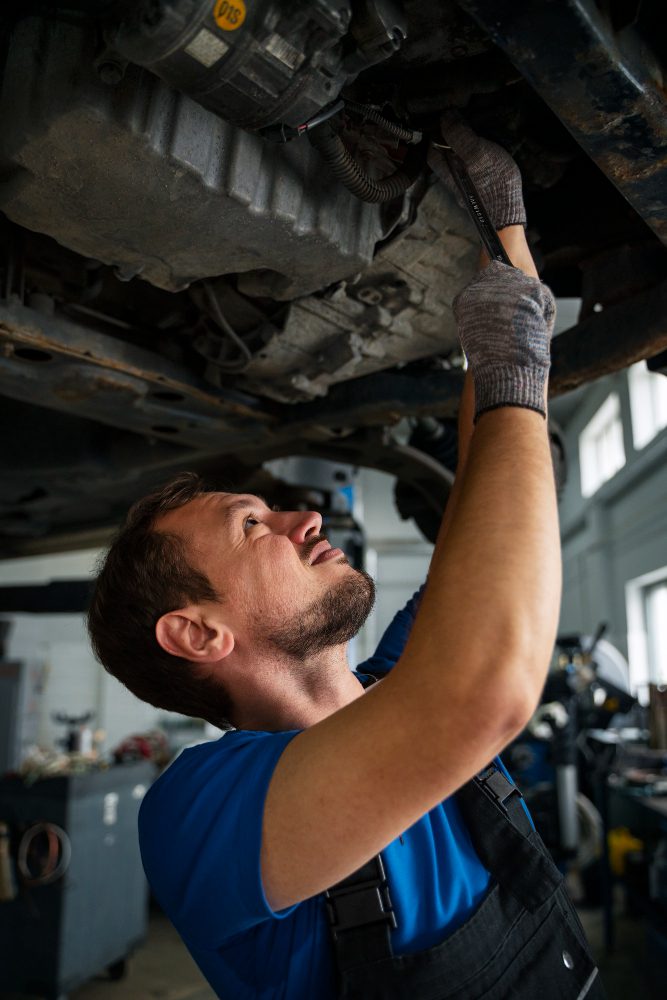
x=598 y=440
x=648 y=404
x=640 y=641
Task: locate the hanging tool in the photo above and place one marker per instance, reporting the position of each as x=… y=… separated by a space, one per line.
x=474 y=205
x=7 y=877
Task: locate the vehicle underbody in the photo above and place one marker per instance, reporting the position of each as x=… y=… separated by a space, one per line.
x=180 y=288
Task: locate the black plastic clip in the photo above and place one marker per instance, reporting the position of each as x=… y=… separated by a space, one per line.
x=505 y=796
x=352 y=904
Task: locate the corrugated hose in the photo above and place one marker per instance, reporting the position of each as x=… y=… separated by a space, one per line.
x=346 y=169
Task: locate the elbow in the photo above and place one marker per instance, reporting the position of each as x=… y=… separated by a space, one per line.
x=518 y=679
x=500 y=722
x=517 y=713
x=523 y=691
x=506 y=705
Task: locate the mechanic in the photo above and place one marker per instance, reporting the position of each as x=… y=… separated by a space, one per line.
x=336 y=842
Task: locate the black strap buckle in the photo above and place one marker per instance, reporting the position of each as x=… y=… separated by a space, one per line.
x=353 y=904
x=496 y=786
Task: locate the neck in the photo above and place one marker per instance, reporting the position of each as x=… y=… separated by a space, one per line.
x=274 y=693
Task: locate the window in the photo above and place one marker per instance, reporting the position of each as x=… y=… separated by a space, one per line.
x=648 y=403
x=646 y=601
x=601 y=451
x=655 y=600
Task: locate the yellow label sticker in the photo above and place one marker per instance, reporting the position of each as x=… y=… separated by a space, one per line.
x=229 y=14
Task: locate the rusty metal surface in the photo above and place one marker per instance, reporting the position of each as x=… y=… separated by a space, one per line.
x=605 y=86
x=110 y=388
x=68 y=368
x=91 y=422
x=64 y=367
x=611 y=340
x=380 y=399
x=57 y=364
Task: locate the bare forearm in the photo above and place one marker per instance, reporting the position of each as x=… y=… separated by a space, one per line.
x=491 y=607
x=513 y=238
x=465 y=429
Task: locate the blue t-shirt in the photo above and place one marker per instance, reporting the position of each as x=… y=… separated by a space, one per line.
x=200 y=829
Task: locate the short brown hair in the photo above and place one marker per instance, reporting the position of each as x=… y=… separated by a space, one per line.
x=144 y=575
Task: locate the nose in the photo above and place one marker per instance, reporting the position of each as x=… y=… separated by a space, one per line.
x=303 y=525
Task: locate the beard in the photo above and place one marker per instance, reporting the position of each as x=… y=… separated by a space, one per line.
x=331 y=620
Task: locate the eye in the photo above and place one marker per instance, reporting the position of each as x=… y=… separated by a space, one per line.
x=250 y=521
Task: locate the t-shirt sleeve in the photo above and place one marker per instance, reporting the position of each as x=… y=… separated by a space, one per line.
x=393 y=641
x=200 y=832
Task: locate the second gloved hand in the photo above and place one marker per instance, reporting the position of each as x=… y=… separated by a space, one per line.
x=505 y=321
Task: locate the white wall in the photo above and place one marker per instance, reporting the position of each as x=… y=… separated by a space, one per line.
x=398 y=557
x=617 y=535
x=75 y=682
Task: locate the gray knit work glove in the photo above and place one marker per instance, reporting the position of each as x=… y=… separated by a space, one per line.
x=493 y=171
x=505 y=322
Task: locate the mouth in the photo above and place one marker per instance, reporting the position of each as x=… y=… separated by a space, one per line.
x=323 y=552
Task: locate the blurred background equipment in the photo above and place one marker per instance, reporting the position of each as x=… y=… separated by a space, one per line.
x=586 y=688
x=79 y=735
x=73 y=889
x=21 y=691
x=658 y=715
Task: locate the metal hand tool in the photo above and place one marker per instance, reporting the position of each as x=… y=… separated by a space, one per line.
x=474 y=205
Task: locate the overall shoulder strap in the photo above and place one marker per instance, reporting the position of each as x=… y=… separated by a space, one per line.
x=361 y=916
x=505 y=840
x=359 y=908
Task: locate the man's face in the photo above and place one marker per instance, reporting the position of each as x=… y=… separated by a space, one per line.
x=280 y=582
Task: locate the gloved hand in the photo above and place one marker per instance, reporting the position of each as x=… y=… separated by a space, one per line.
x=493 y=171
x=505 y=321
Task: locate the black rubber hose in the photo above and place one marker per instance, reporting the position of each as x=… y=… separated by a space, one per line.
x=346 y=169
x=370 y=114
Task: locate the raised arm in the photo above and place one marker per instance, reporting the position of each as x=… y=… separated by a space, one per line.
x=484 y=159
x=474 y=666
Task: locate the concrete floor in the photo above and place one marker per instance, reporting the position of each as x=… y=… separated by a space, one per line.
x=625 y=972
x=162 y=968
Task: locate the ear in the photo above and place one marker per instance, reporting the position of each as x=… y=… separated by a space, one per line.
x=193 y=635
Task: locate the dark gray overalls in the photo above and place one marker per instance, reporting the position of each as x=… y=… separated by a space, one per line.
x=524 y=942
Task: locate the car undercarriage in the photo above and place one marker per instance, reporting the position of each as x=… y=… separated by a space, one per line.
x=221 y=242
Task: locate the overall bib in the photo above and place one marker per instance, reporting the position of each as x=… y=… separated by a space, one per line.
x=524 y=942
